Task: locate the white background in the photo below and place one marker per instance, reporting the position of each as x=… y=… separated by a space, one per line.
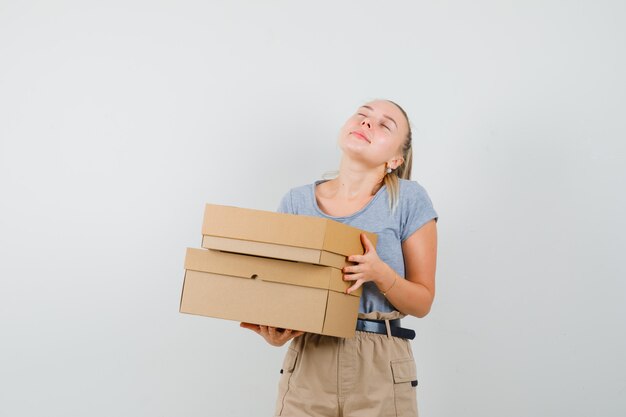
x=120 y=119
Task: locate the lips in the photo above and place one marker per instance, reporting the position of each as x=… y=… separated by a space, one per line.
x=361 y=135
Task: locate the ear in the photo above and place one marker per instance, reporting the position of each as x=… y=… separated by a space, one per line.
x=395 y=163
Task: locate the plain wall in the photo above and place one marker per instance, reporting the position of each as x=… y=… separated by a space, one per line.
x=119 y=120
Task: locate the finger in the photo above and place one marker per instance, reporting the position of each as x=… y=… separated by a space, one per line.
x=353 y=277
x=263 y=331
x=355 y=287
x=356 y=258
x=285 y=334
x=250 y=326
x=351 y=269
x=293 y=334
x=272 y=332
x=367 y=245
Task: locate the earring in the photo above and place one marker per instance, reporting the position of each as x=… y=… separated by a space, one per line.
x=389 y=170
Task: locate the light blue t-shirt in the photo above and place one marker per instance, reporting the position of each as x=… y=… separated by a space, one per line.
x=414 y=209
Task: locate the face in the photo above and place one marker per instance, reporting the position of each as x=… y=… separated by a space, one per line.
x=375 y=134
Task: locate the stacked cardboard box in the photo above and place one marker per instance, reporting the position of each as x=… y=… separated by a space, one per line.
x=275 y=269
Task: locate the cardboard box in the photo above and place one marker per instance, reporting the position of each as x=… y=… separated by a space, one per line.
x=267 y=291
x=293 y=237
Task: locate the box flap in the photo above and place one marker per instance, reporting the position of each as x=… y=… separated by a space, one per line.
x=267 y=269
x=344 y=306
x=273 y=250
x=346 y=240
x=284 y=229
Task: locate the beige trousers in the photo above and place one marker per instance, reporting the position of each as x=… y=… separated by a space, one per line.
x=370 y=375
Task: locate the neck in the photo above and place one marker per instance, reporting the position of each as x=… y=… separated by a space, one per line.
x=356 y=180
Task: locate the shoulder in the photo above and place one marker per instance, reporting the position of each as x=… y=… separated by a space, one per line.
x=415 y=206
x=300 y=190
x=295 y=198
x=298 y=193
x=412 y=191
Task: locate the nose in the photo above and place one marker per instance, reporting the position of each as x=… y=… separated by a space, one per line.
x=366 y=122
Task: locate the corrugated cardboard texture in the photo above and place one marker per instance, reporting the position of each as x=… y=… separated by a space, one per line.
x=254 y=301
x=266 y=269
x=283 y=229
x=269 y=303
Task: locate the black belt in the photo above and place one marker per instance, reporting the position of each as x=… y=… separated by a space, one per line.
x=378 y=326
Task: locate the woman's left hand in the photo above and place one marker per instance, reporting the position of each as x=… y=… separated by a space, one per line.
x=369 y=266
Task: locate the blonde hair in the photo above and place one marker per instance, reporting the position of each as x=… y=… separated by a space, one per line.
x=402 y=171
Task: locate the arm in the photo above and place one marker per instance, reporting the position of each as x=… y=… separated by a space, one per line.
x=413 y=295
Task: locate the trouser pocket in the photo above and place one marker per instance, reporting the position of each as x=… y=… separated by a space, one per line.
x=289 y=363
x=404 y=383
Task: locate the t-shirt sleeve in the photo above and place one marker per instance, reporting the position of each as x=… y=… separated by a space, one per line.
x=286 y=204
x=417 y=209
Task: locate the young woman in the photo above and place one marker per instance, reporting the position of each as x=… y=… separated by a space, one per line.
x=372 y=374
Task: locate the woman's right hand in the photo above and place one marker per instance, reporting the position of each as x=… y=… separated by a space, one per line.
x=273 y=335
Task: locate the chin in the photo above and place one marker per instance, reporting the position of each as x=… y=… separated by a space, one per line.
x=356 y=153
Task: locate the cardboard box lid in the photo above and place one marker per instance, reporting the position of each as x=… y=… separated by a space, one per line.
x=284 y=229
x=272 y=250
x=267 y=269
